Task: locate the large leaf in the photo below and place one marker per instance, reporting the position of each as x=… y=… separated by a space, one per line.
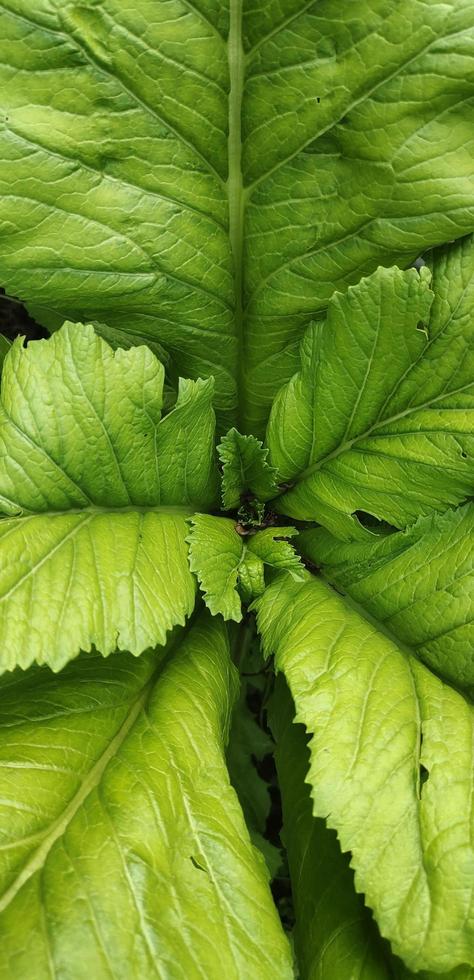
x=419 y=583
x=97 y=487
x=335 y=934
x=380 y=418
x=391 y=768
x=144 y=144
x=124 y=850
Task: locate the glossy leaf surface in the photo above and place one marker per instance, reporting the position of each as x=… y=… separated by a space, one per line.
x=95 y=485
x=199 y=173
x=124 y=849
x=391 y=767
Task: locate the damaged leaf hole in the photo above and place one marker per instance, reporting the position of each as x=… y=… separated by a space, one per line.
x=196 y=864
x=423 y=778
x=423 y=773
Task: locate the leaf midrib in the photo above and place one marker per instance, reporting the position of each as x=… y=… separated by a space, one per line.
x=93 y=509
x=379 y=424
x=93 y=778
x=408 y=650
x=235 y=185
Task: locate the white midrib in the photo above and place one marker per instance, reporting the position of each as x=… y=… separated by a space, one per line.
x=235 y=187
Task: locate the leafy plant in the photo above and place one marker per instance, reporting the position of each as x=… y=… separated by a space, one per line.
x=233 y=194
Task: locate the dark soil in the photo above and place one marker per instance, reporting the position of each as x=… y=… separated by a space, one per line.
x=15 y=321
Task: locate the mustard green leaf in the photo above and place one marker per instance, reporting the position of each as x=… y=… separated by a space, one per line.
x=380 y=418
x=251 y=576
x=391 y=767
x=124 y=849
x=199 y=174
x=215 y=554
x=185 y=446
x=245 y=469
x=418 y=583
x=335 y=934
x=273 y=549
x=225 y=561
x=95 y=486
x=114 y=579
x=85 y=423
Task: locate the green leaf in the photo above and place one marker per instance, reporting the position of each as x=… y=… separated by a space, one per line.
x=271 y=546
x=251 y=576
x=245 y=470
x=91 y=419
x=185 y=447
x=96 y=486
x=215 y=554
x=418 y=583
x=223 y=559
x=73 y=580
x=381 y=416
x=155 y=179
x=335 y=935
x=124 y=849
x=326 y=937
x=391 y=767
